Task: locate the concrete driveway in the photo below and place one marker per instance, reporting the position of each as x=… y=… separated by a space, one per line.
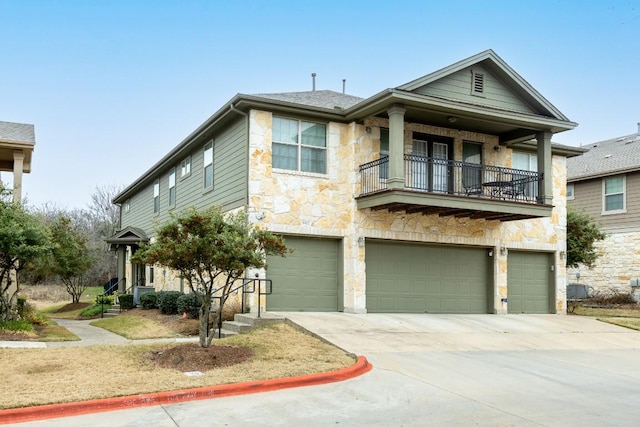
x=436 y=370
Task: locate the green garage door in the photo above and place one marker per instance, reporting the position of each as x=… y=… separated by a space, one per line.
x=307 y=279
x=413 y=278
x=528 y=282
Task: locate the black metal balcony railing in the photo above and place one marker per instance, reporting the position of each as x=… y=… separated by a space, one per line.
x=451 y=177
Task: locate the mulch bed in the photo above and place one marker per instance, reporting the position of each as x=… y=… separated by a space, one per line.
x=192 y=357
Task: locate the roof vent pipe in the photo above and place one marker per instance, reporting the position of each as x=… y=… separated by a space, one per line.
x=639 y=130
x=344 y=84
x=313 y=80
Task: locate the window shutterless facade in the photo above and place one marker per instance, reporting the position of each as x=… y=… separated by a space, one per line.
x=613 y=193
x=156 y=196
x=185 y=167
x=570 y=190
x=208 y=165
x=299 y=145
x=172 y=187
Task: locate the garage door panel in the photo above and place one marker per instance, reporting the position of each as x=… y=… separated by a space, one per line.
x=528 y=282
x=307 y=279
x=422 y=278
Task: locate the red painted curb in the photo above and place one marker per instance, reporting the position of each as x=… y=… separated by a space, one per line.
x=44 y=412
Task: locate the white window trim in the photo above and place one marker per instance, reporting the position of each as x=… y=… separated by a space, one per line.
x=299 y=146
x=573 y=191
x=172 y=186
x=624 y=196
x=205 y=163
x=185 y=164
x=156 y=196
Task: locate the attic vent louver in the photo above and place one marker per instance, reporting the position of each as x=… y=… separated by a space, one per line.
x=477 y=82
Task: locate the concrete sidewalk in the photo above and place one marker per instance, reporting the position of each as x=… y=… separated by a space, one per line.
x=89 y=335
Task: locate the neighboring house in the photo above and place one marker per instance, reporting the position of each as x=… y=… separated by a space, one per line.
x=442 y=195
x=604 y=182
x=17 y=141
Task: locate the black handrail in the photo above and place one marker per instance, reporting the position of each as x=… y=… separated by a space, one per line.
x=246 y=289
x=452 y=177
x=109 y=291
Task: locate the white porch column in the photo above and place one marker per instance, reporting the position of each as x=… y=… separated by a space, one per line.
x=545 y=189
x=396 y=146
x=18 y=163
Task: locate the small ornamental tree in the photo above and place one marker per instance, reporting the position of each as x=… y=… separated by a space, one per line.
x=211 y=251
x=70 y=257
x=23 y=239
x=582 y=233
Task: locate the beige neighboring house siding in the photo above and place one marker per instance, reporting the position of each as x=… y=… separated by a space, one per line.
x=619 y=260
x=325 y=205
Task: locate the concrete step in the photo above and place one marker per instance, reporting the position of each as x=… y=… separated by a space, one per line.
x=235 y=326
x=253 y=319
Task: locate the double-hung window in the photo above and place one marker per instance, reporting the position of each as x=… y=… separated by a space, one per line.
x=172 y=187
x=208 y=165
x=156 y=196
x=613 y=195
x=299 y=145
x=185 y=167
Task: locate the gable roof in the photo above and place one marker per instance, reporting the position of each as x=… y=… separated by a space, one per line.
x=501 y=70
x=17 y=132
x=128 y=235
x=608 y=157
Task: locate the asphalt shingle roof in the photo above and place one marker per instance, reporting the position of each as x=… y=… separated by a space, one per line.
x=606 y=158
x=316 y=98
x=19 y=132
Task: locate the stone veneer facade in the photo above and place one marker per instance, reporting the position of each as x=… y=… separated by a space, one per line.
x=617 y=265
x=307 y=204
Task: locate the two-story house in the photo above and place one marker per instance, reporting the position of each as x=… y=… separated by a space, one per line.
x=604 y=182
x=442 y=195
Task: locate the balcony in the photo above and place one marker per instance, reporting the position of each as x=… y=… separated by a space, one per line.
x=453 y=188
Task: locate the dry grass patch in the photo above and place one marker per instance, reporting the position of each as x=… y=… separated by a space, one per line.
x=138 y=324
x=627 y=322
x=617 y=311
x=55 y=375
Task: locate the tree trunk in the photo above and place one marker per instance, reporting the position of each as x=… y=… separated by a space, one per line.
x=205 y=333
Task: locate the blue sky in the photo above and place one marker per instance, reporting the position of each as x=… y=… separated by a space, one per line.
x=112 y=86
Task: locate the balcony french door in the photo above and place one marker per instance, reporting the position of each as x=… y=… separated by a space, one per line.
x=433 y=175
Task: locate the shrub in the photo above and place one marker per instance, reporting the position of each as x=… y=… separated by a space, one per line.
x=36 y=319
x=189 y=303
x=22 y=306
x=168 y=302
x=105 y=299
x=126 y=301
x=149 y=300
x=95 y=310
x=611 y=297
